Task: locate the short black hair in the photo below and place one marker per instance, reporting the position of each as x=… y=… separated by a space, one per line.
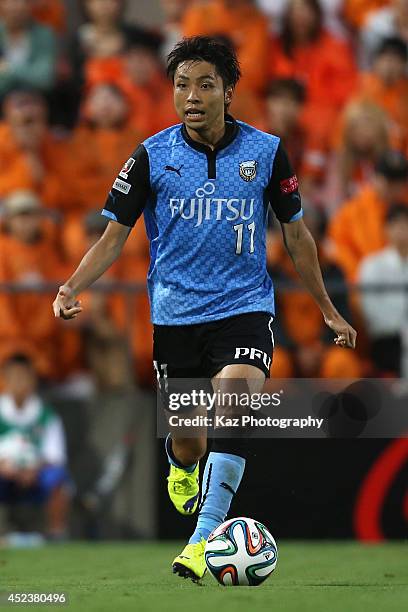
x=214 y=50
x=287 y=87
x=397 y=211
x=393 y=45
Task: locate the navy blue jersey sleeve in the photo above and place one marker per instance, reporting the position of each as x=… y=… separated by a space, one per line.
x=282 y=190
x=130 y=190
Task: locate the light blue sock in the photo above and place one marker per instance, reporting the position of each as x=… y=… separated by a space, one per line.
x=173 y=460
x=222 y=476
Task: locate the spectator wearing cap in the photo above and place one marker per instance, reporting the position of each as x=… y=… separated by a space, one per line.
x=324 y=63
x=31 y=157
x=29 y=256
x=32 y=448
x=386 y=310
x=386 y=85
x=357 y=229
x=28 y=49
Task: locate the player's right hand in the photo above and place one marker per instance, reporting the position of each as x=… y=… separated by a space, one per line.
x=65 y=305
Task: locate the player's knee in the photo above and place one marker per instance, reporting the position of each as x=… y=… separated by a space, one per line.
x=189 y=451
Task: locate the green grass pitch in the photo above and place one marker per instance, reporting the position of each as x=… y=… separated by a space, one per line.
x=310 y=577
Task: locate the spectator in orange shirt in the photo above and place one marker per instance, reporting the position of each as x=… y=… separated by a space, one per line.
x=51 y=13
x=356 y=11
x=357 y=229
x=332 y=12
x=324 y=63
x=30 y=156
x=102 y=140
x=364 y=137
x=103 y=327
x=150 y=93
x=96 y=47
x=387 y=85
x=246 y=27
x=29 y=255
x=307 y=151
x=284 y=103
x=300 y=328
x=115 y=317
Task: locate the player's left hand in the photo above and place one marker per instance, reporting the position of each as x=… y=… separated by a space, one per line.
x=65 y=305
x=346 y=335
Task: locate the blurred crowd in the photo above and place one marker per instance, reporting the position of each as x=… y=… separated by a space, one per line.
x=329 y=77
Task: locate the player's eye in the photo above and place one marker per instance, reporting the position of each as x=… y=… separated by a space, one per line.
x=206 y=85
x=180 y=85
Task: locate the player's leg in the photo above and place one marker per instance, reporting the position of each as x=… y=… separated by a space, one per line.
x=176 y=357
x=222 y=474
x=226 y=462
x=240 y=354
x=183 y=485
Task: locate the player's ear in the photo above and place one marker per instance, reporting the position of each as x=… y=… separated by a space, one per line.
x=228 y=95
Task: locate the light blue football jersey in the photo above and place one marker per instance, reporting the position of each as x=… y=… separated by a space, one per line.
x=206 y=218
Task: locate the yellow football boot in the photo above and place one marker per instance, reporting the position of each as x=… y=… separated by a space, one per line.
x=184 y=489
x=191 y=562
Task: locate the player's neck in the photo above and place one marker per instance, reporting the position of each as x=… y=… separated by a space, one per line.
x=208 y=137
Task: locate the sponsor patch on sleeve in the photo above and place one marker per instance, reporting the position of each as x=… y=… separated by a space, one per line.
x=124 y=173
x=289 y=185
x=122 y=186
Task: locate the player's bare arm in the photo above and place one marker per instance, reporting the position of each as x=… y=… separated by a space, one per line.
x=303 y=252
x=95 y=262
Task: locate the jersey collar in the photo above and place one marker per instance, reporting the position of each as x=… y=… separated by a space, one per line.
x=231 y=131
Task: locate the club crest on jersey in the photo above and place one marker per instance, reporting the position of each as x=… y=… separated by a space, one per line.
x=124 y=173
x=247 y=170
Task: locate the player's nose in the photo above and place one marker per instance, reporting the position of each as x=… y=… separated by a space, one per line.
x=193 y=94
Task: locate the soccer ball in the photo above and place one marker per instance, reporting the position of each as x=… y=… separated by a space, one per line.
x=18 y=450
x=241 y=552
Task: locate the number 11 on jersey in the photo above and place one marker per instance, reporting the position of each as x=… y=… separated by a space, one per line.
x=239 y=229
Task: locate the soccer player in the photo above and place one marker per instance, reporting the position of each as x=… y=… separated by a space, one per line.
x=205 y=186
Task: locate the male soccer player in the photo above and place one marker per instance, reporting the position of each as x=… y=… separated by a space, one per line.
x=204 y=187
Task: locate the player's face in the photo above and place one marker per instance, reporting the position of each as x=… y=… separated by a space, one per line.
x=199 y=95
